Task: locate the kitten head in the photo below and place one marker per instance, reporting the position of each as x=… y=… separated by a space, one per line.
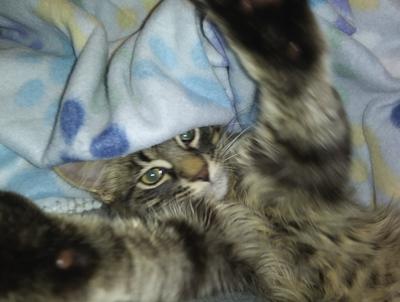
x=187 y=166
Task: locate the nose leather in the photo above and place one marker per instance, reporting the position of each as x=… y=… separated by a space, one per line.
x=203 y=174
x=194 y=168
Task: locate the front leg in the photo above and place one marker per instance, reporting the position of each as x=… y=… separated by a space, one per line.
x=300 y=145
x=184 y=252
x=41 y=258
x=71 y=259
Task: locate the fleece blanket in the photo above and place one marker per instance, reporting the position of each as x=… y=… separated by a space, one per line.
x=95 y=79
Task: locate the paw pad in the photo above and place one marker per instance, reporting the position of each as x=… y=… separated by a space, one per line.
x=65 y=259
x=70 y=258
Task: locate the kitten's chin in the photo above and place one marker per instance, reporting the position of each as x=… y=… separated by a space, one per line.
x=217 y=187
x=219 y=181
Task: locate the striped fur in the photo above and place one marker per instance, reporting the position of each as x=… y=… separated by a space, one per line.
x=288 y=229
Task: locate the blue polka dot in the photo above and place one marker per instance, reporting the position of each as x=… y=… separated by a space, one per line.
x=161 y=51
x=60 y=69
x=30 y=93
x=198 y=56
x=206 y=90
x=34 y=183
x=111 y=142
x=71 y=119
x=145 y=69
x=395 y=116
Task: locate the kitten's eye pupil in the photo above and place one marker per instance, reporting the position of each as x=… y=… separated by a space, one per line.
x=152 y=176
x=187 y=137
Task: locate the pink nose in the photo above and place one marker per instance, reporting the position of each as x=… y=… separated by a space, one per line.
x=194 y=168
x=202 y=174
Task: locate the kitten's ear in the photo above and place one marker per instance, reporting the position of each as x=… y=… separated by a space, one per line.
x=86 y=175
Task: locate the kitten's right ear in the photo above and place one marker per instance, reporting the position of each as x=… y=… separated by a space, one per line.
x=86 y=175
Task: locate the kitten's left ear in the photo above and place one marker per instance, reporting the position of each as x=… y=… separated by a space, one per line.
x=86 y=175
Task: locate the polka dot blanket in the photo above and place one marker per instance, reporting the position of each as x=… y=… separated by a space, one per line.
x=90 y=79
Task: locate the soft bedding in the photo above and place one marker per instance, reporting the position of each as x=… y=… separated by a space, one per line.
x=89 y=80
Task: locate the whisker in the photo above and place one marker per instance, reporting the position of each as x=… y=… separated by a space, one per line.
x=227 y=158
x=229 y=141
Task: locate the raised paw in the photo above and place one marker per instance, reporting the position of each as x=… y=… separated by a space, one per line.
x=37 y=252
x=283 y=33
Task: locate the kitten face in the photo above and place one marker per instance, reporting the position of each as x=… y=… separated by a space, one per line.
x=187 y=166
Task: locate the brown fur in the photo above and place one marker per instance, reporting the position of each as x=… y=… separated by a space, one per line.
x=288 y=230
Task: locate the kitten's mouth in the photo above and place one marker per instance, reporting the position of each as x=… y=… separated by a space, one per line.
x=218 y=183
x=215 y=187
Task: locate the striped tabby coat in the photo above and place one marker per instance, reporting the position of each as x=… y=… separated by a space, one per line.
x=291 y=232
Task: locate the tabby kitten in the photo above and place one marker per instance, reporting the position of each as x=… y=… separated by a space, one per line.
x=191 y=165
x=292 y=234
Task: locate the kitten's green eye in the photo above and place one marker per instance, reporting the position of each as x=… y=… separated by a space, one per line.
x=187 y=137
x=152 y=176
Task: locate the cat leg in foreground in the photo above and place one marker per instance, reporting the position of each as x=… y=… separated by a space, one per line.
x=39 y=255
x=187 y=251
x=301 y=141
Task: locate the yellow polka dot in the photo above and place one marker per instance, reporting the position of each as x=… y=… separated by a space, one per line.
x=384 y=177
x=359 y=171
x=149 y=4
x=78 y=38
x=364 y=4
x=357 y=138
x=126 y=18
x=61 y=13
x=55 y=11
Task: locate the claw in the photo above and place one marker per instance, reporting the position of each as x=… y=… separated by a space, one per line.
x=293 y=51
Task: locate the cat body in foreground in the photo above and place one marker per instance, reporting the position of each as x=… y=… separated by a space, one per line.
x=291 y=231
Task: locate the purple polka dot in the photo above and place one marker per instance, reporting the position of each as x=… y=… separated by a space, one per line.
x=71 y=119
x=21 y=30
x=345 y=26
x=19 y=33
x=395 y=116
x=36 y=44
x=111 y=142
